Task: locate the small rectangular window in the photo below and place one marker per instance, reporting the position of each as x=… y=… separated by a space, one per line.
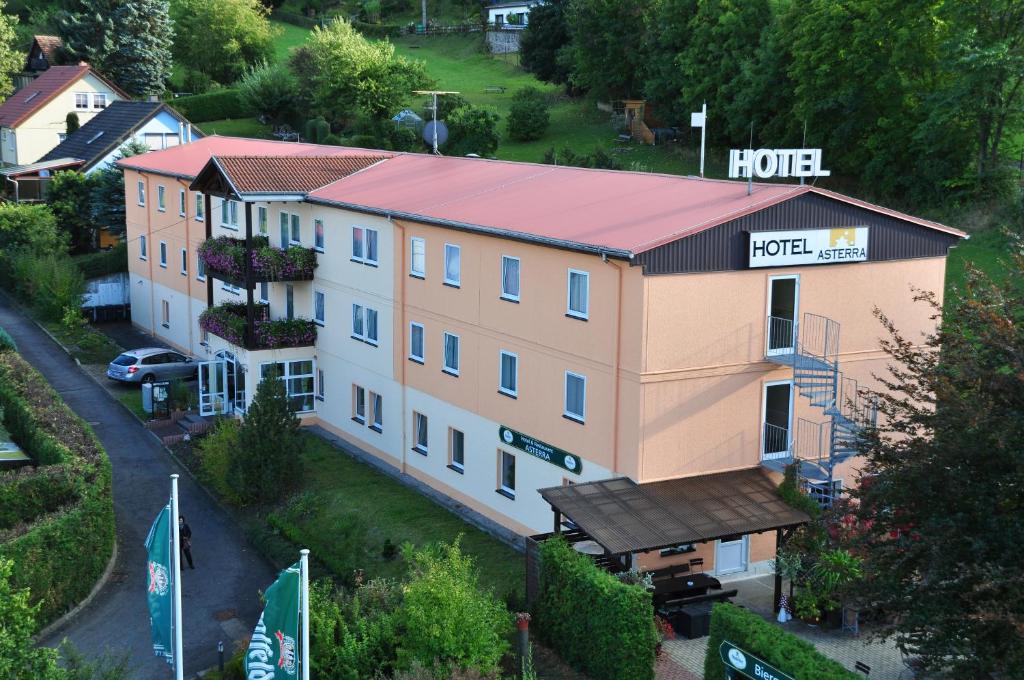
x=229 y=214
x=318 y=307
x=364 y=245
x=418 y=257
x=358 y=329
x=320 y=384
x=507 y=474
x=456 y=450
x=371 y=326
x=284 y=231
x=296 y=233
x=451 y=354
x=452 y=265
x=163 y=254
x=142 y=247
x=509 y=379
x=318 y=235
x=81 y=100
x=510 y=278
x=261 y=220
x=184 y=262
x=200 y=268
x=181 y=202
x=160 y=199
x=579 y=294
x=575 y=396
x=416 y=342
x=358 y=404
x=165 y=313
x=200 y=208
x=371 y=246
x=378 y=412
x=264 y=292
x=99 y=100
x=419 y=427
x=142 y=192
x=357 y=243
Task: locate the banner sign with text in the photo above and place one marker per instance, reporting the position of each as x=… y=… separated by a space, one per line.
x=736 y=659
x=539 y=449
x=273 y=652
x=809 y=246
x=158 y=590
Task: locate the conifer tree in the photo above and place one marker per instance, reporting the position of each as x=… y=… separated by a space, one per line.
x=269 y=445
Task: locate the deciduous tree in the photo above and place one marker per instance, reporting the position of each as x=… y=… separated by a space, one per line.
x=605 y=46
x=472 y=129
x=11 y=60
x=68 y=195
x=541 y=43
x=528 y=116
x=222 y=38
x=20 y=658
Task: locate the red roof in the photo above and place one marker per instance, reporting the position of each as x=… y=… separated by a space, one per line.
x=188 y=159
x=42 y=90
x=48 y=45
x=290 y=174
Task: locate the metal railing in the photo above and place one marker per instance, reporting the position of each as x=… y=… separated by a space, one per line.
x=781 y=335
x=776 y=442
x=819 y=337
x=811 y=439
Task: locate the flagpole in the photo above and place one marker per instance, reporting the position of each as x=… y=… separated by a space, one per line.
x=703 y=129
x=304 y=599
x=179 y=671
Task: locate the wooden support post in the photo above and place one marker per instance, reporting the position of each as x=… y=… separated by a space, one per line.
x=558 y=521
x=250 y=309
x=209 y=235
x=777 y=597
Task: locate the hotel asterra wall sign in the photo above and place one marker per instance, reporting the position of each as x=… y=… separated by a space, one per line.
x=542 y=450
x=809 y=246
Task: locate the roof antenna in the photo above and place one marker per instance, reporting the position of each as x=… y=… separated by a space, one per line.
x=750 y=173
x=433 y=94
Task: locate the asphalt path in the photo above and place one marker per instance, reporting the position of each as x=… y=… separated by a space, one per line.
x=220 y=598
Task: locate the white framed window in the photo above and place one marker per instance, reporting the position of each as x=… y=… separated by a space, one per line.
x=318 y=235
x=320 y=384
x=299 y=381
x=295 y=237
x=160 y=203
x=377 y=412
x=184 y=262
x=358 y=404
x=200 y=268
x=416 y=342
x=265 y=292
x=419 y=428
x=452 y=265
x=284 y=230
x=510 y=278
x=229 y=214
x=456 y=450
x=261 y=219
x=163 y=254
x=200 y=208
x=575 y=397
x=181 y=202
x=508 y=378
x=418 y=257
x=81 y=100
x=142 y=247
x=364 y=246
x=451 y=354
x=99 y=100
x=318 y=307
x=228 y=288
x=165 y=313
x=506 y=474
x=364 y=324
x=141 y=186
x=578 y=294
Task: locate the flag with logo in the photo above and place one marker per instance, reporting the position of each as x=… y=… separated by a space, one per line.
x=273 y=650
x=158 y=562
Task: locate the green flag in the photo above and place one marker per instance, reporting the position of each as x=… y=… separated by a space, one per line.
x=161 y=608
x=273 y=651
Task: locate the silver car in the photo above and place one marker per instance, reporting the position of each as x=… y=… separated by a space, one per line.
x=150 y=363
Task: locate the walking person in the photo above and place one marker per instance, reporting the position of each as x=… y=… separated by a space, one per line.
x=185 y=534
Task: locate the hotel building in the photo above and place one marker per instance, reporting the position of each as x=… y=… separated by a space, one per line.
x=495 y=328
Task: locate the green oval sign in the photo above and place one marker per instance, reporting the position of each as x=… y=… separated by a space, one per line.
x=736 y=659
x=539 y=449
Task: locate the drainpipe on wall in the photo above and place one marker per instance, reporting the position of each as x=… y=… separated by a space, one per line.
x=150 y=253
x=617 y=360
x=188 y=268
x=399 y=270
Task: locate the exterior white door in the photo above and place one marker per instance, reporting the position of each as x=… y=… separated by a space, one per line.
x=731 y=556
x=783 y=305
x=213 y=387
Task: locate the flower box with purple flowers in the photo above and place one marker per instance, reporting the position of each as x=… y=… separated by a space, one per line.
x=224 y=258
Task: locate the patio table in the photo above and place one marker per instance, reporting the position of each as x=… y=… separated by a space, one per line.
x=689 y=585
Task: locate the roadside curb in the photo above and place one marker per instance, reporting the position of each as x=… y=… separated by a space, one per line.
x=97 y=587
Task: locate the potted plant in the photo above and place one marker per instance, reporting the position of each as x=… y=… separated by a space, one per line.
x=834 y=574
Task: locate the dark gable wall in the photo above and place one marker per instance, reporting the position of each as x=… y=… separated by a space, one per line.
x=724 y=247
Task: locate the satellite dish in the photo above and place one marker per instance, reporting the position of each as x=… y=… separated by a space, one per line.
x=442 y=133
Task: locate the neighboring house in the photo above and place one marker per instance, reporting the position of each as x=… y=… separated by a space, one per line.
x=510 y=14
x=33 y=120
x=43 y=53
x=494 y=329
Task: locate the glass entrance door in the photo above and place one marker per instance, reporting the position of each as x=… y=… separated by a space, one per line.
x=213 y=381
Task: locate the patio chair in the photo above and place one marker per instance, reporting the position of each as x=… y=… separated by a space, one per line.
x=697 y=565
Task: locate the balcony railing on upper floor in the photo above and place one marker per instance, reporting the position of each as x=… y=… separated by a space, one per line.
x=225 y=259
x=230 y=321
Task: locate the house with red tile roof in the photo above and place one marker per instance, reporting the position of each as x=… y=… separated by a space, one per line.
x=33 y=120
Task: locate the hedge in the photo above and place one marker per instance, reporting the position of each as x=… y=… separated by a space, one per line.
x=591 y=619
x=95 y=265
x=379 y=31
x=216 y=105
x=61 y=532
x=768 y=641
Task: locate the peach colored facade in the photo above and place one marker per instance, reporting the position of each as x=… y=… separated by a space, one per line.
x=674 y=364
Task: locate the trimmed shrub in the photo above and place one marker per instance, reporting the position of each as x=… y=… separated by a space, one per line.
x=776 y=646
x=216 y=105
x=528 y=116
x=593 y=620
x=59 y=553
x=104 y=262
x=215 y=455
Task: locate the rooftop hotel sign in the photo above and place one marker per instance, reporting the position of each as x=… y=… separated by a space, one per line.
x=810 y=246
x=765 y=163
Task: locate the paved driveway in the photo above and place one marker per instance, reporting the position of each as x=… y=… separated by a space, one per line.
x=219 y=598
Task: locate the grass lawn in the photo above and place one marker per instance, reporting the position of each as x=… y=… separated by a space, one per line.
x=87 y=344
x=986 y=250
x=346 y=505
x=290 y=36
x=131 y=396
x=237 y=127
